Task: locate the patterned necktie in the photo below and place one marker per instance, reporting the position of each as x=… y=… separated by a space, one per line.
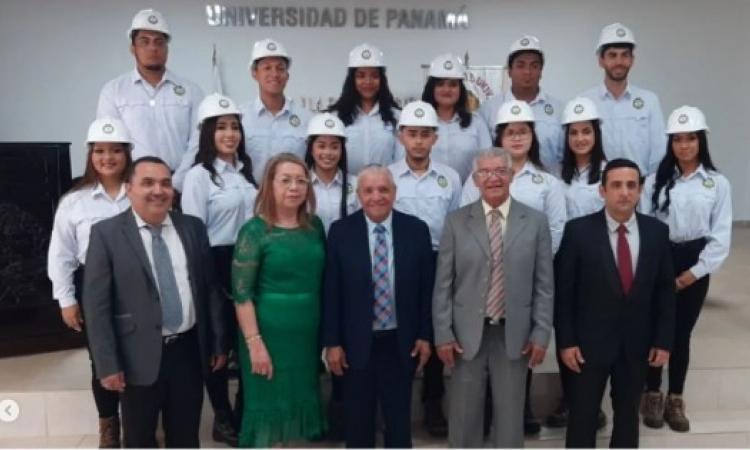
x=496 y=295
x=171 y=306
x=383 y=307
x=624 y=261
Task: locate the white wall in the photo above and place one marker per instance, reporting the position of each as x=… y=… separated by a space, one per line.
x=55 y=56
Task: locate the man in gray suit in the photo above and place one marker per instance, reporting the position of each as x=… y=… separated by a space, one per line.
x=492 y=304
x=152 y=311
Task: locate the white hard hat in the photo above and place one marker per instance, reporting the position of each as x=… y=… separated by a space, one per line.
x=215 y=105
x=108 y=130
x=266 y=48
x=149 y=19
x=526 y=43
x=366 y=55
x=418 y=114
x=686 y=119
x=580 y=109
x=326 y=124
x=514 y=111
x=447 y=66
x=615 y=33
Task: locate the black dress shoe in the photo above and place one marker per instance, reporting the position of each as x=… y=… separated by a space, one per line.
x=531 y=425
x=224 y=431
x=434 y=420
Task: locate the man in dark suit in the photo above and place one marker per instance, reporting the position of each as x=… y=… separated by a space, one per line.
x=154 y=318
x=614 y=306
x=376 y=322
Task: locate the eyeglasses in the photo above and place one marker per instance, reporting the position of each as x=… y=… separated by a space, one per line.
x=521 y=134
x=484 y=174
x=287 y=183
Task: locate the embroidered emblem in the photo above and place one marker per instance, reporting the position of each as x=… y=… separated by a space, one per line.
x=294 y=120
x=638 y=103
x=537 y=179
x=442 y=182
x=708 y=183
x=179 y=90
x=549 y=109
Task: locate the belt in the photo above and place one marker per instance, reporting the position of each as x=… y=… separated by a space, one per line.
x=494 y=322
x=172 y=338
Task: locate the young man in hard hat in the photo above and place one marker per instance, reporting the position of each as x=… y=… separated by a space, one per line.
x=157 y=106
x=632 y=121
x=429 y=190
x=273 y=122
x=525 y=64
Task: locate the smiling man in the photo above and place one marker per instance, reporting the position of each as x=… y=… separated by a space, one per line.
x=631 y=118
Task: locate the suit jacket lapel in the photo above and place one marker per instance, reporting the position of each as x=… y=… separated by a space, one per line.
x=477 y=224
x=514 y=225
x=133 y=236
x=607 y=256
x=361 y=247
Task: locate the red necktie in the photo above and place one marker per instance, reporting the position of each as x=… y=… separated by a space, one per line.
x=624 y=261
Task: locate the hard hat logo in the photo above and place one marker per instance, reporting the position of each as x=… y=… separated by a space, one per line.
x=516 y=110
x=621 y=32
x=682 y=119
x=524 y=42
x=153 y=20
x=271 y=46
x=578 y=109
x=448 y=65
x=330 y=123
x=419 y=112
x=366 y=54
x=224 y=103
x=108 y=129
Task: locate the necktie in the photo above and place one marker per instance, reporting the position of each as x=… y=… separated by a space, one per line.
x=383 y=307
x=496 y=295
x=171 y=306
x=624 y=261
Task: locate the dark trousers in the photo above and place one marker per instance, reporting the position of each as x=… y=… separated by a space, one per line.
x=689 y=303
x=384 y=382
x=217 y=383
x=107 y=402
x=586 y=390
x=433 y=382
x=177 y=394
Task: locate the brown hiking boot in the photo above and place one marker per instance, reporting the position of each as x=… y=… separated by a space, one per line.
x=652 y=409
x=109 y=432
x=674 y=413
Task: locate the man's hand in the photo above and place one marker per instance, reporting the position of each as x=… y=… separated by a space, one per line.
x=218 y=362
x=114 y=382
x=336 y=360
x=421 y=348
x=535 y=352
x=572 y=358
x=685 y=279
x=657 y=357
x=446 y=353
x=71 y=315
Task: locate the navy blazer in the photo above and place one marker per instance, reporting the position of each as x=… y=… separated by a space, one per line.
x=591 y=309
x=348 y=293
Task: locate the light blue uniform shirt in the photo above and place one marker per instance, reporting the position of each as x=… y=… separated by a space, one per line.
x=534 y=188
x=430 y=196
x=267 y=135
x=160 y=119
x=456 y=147
x=372 y=239
x=700 y=207
x=328 y=198
x=632 y=126
x=223 y=208
x=582 y=198
x=369 y=140
x=549 y=132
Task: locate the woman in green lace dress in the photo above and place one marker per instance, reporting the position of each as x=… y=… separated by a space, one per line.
x=276 y=277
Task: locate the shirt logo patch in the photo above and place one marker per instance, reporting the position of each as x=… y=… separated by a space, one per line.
x=442 y=182
x=271 y=46
x=578 y=109
x=366 y=54
x=330 y=123
x=621 y=32
x=537 y=179
x=682 y=119
x=524 y=42
x=516 y=110
x=294 y=120
x=708 y=183
x=419 y=112
x=638 y=103
x=448 y=65
x=224 y=103
x=108 y=128
x=549 y=109
x=153 y=20
x=179 y=90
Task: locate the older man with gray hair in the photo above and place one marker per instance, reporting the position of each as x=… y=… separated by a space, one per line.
x=492 y=304
x=376 y=321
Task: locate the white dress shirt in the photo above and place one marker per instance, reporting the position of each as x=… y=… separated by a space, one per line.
x=632 y=235
x=161 y=120
x=77 y=212
x=179 y=265
x=372 y=239
x=267 y=135
x=632 y=125
x=582 y=198
x=429 y=196
x=223 y=208
x=328 y=197
x=700 y=207
x=369 y=140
